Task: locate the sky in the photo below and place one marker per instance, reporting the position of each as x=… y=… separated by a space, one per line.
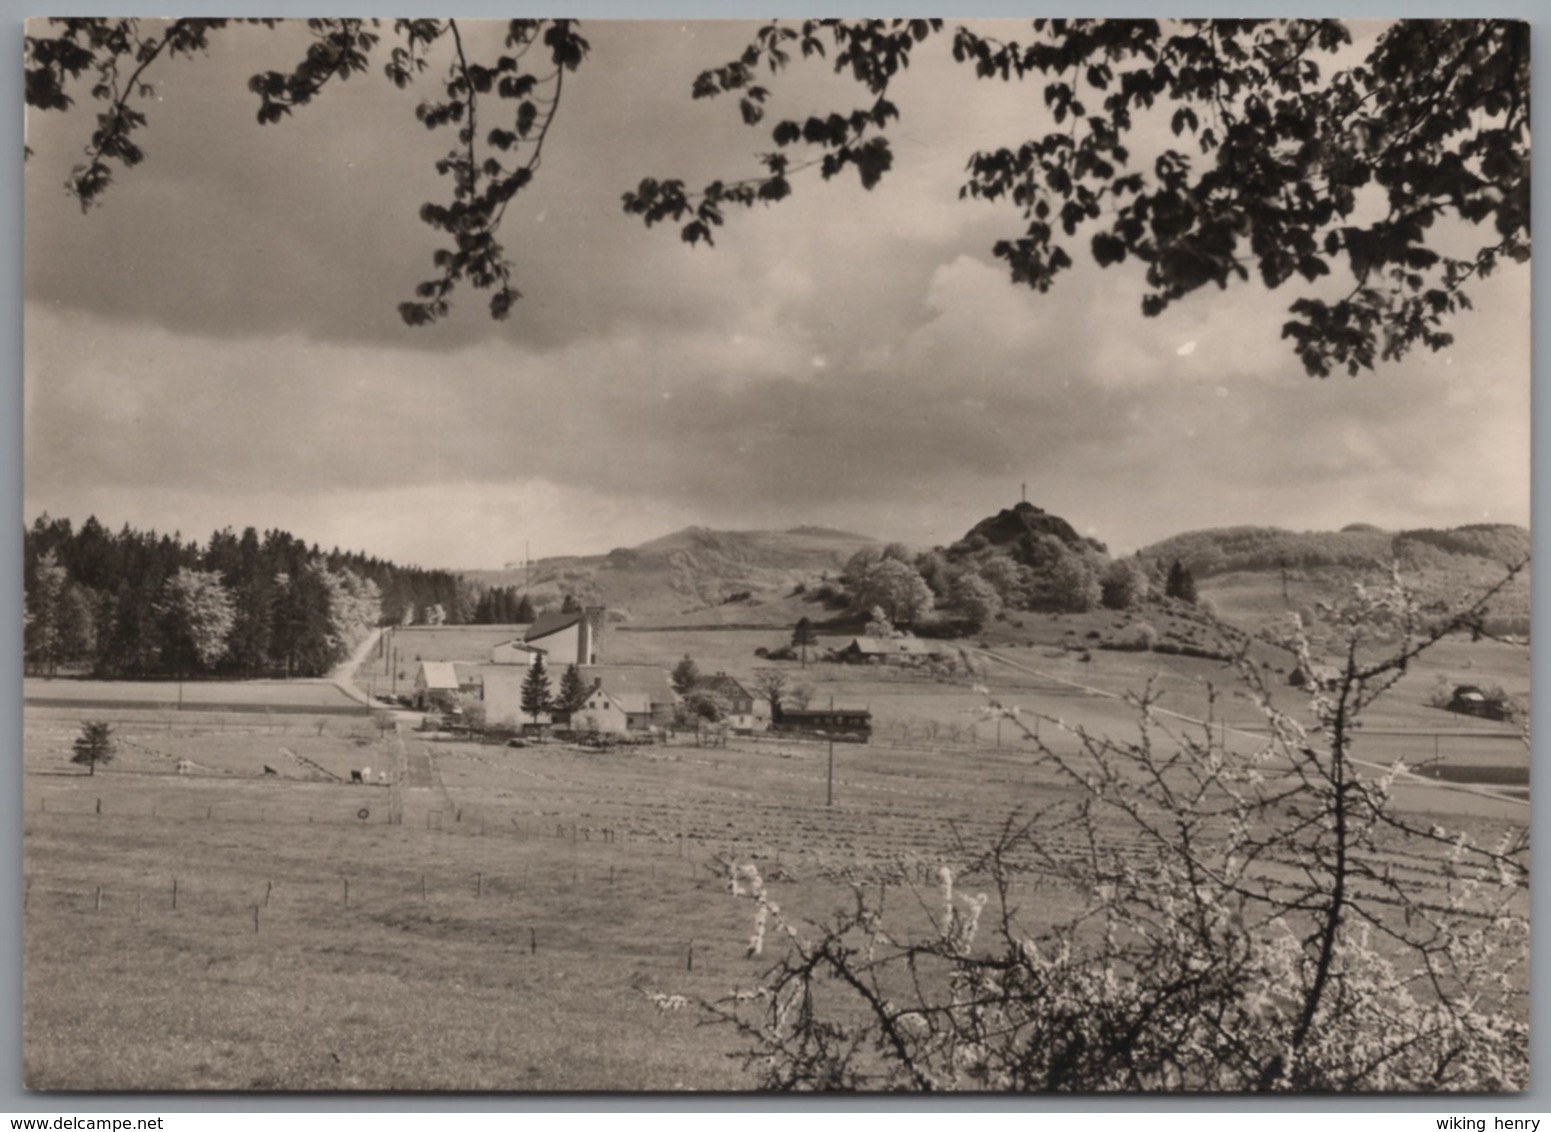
x=218 y=343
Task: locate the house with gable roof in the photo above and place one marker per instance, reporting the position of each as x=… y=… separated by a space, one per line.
x=739 y=700
x=643 y=692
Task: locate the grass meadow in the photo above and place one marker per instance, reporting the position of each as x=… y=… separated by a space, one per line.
x=497 y=919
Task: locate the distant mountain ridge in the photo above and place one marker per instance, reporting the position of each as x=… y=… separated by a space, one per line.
x=1222 y=550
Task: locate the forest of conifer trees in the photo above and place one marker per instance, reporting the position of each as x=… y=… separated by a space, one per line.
x=139 y=604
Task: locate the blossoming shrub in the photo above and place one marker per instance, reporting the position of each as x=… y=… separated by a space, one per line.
x=1251 y=913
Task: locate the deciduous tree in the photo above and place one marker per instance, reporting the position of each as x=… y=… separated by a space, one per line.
x=1282 y=136
x=198 y=616
x=975 y=598
x=894 y=586
x=1206 y=925
x=772 y=683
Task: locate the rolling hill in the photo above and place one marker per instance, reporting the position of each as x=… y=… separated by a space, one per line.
x=1257 y=573
x=695 y=575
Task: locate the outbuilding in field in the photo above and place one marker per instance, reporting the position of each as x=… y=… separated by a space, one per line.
x=436 y=685
x=891 y=650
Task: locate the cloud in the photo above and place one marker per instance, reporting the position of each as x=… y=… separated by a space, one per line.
x=218 y=344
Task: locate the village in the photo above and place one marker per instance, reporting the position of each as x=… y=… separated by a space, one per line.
x=551 y=681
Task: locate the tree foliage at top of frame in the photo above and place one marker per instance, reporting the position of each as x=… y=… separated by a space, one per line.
x=1281 y=155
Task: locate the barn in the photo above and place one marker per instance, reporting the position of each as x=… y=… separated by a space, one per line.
x=566 y=638
x=436 y=685
x=891 y=650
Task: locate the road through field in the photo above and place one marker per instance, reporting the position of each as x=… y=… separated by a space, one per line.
x=341 y=673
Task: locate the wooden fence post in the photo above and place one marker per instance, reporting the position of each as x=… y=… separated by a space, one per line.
x=269 y=887
x=99 y=898
x=347 y=891
x=174 y=894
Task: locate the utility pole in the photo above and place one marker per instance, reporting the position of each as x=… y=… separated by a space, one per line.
x=829 y=782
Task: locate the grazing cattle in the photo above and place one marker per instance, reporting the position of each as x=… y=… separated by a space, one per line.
x=271 y=771
x=382 y=777
x=355 y=776
x=185 y=767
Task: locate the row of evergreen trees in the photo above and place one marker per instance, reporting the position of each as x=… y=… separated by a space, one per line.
x=146 y=605
x=503 y=605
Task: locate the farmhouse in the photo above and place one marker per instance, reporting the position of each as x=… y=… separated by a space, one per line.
x=887 y=650
x=740 y=701
x=602 y=713
x=644 y=693
x=1487 y=704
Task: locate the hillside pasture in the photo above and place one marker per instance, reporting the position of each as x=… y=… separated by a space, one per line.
x=235 y=745
x=234 y=696
x=506 y=934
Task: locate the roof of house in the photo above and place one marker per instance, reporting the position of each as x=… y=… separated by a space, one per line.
x=439 y=675
x=518 y=645
x=636 y=687
x=725 y=685
x=468 y=673
x=896 y=646
x=549 y=623
x=610 y=698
